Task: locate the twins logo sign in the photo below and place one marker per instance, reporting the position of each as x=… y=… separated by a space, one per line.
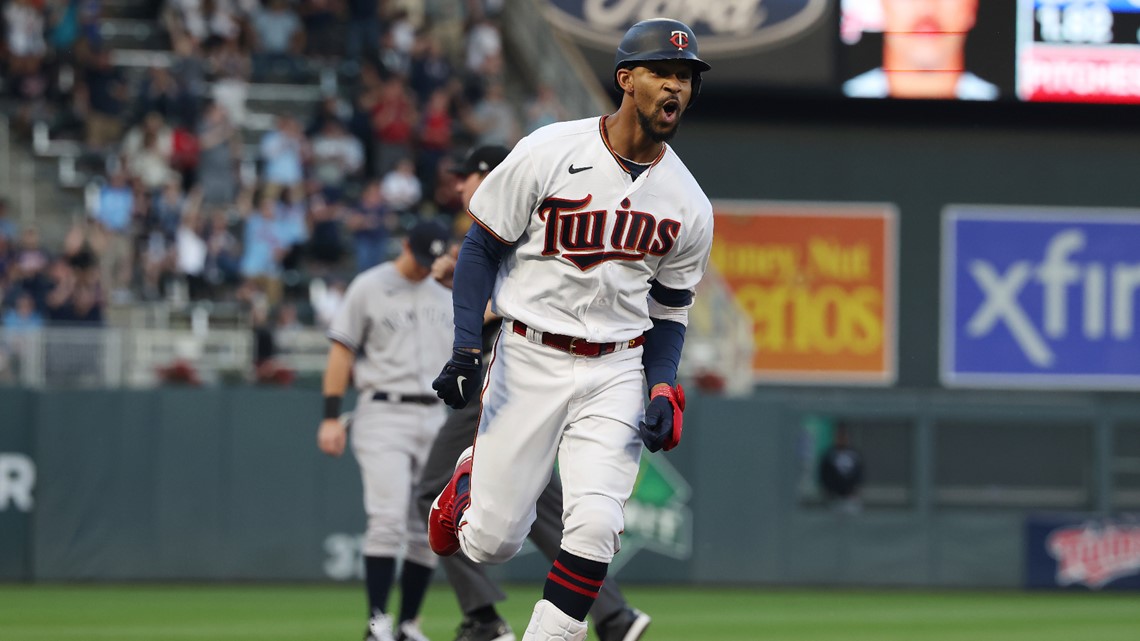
x=1040 y=298
x=722 y=26
x=1065 y=552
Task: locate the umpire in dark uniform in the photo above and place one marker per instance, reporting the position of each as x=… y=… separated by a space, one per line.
x=614 y=619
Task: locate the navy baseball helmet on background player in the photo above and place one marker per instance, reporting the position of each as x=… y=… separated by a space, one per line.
x=660 y=39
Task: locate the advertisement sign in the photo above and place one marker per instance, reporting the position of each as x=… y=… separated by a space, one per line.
x=794 y=37
x=1040 y=298
x=657 y=515
x=818 y=282
x=1078 y=51
x=1069 y=552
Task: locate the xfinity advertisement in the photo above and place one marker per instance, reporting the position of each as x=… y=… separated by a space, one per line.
x=1040 y=297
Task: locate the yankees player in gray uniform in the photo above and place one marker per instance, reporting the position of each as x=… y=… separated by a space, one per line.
x=390 y=333
x=614 y=619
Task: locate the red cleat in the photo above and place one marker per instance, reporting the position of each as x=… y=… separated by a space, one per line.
x=443 y=536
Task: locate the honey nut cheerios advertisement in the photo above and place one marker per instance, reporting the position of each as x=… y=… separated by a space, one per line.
x=819 y=285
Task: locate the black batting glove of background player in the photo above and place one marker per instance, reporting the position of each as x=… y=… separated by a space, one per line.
x=461 y=379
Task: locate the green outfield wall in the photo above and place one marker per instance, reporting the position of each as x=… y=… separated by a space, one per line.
x=227 y=484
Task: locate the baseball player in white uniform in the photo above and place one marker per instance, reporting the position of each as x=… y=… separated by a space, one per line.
x=590 y=239
x=391 y=331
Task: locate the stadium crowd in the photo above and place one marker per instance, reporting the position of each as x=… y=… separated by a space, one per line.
x=200 y=197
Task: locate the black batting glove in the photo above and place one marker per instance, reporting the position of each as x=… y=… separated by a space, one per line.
x=662 y=425
x=461 y=379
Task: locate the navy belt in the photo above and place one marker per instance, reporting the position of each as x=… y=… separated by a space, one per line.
x=396 y=397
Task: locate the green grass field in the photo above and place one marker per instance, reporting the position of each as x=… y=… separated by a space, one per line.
x=333 y=613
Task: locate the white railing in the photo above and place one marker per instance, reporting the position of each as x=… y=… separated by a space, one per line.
x=115 y=357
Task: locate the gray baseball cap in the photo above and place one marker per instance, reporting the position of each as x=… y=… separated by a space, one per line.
x=428 y=240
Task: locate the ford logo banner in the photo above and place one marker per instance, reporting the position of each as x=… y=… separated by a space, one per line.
x=722 y=26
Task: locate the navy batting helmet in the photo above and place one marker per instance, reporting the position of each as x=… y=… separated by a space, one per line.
x=660 y=39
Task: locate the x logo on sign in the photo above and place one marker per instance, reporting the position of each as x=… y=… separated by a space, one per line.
x=680 y=39
x=1001 y=305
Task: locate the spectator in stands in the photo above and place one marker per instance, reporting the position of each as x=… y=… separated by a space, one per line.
x=230 y=69
x=262 y=250
x=326 y=246
x=364 y=30
x=268 y=368
x=148 y=149
x=62 y=17
x=372 y=224
x=493 y=119
x=337 y=158
x=156 y=264
x=431 y=70
x=223 y=254
x=484 y=46
x=102 y=101
x=161 y=93
x=190 y=255
x=291 y=218
x=279 y=41
x=23 y=315
x=219 y=153
x=18 y=322
x=545 y=108
x=283 y=150
x=112 y=218
x=434 y=138
x=167 y=210
x=76 y=297
x=393 y=124
x=329 y=108
x=401 y=188
x=7 y=225
x=324 y=35
x=7 y=257
x=29 y=267
x=394 y=60
x=26 y=46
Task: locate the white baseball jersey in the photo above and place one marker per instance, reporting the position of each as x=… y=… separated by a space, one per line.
x=588 y=238
x=400 y=330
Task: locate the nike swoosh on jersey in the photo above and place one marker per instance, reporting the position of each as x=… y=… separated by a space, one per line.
x=459 y=380
x=575 y=170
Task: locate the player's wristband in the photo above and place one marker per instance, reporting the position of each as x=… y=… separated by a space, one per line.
x=332 y=406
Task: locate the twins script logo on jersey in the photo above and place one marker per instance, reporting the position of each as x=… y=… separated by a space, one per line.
x=580 y=236
x=1094 y=555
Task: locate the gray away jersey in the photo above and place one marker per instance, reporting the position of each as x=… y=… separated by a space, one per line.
x=400 y=331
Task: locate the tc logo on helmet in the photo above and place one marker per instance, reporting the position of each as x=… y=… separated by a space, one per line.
x=680 y=39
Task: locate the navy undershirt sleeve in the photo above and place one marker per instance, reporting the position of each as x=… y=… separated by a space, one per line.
x=475 y=272
x=663 y=341
x=670 y=297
